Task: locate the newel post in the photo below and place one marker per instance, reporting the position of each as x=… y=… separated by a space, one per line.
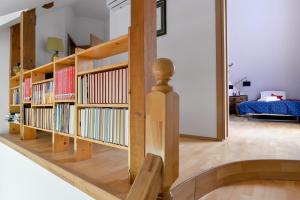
x=162 y=124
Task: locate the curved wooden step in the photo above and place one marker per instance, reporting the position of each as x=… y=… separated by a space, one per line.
x=261 y=190
x=204 y=183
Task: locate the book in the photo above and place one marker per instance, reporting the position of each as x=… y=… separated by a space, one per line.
x=16 y=96
x=104 y=124
x=110 y=87
x=27 y=89
x=65 y=83
x=38 y=117
x=42 y=93
x=65 y=118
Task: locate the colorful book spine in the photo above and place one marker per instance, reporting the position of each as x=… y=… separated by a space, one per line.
x=27 y=89
x=109 y=87
x=65 y=118
x=65 y=83
x=42 y=93
x=104 y=124
x=38 y=117
x=16 y=96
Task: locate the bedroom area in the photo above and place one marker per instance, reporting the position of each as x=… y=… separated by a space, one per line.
x=263 y=45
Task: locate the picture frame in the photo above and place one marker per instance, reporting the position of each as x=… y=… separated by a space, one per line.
x=161 y=7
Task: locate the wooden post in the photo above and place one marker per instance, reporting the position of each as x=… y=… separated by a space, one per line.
x=162 y=124
x=142 y=54
x=27 y=60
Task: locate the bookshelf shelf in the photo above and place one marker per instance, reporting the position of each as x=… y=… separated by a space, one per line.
x=107 y=49
x=42 y=105
x=27 y=74
x=26 y=102
x=64 y=134
x=102 y=143
x=16 y=87
x=15 y=105
x=15 y=78
x=16 y=123
x=39 y=129
x=47 y=68
x=43 y=81
x=104 y=68
x=69 y=60
x=102 y=105
x=64 y=101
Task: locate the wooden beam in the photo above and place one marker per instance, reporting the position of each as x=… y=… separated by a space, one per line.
x=48 y=5
x=142 y=54
x=222 y=79
x=15 y=47
x=148 y=182
x=28 y=21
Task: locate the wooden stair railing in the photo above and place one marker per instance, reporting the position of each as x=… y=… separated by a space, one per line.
x=161 y=166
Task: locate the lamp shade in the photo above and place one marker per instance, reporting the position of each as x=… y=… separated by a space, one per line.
x=55 y=44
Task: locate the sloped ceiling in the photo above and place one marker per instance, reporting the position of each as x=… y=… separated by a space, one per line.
x=9 y=6
x=85 y=8
x=95 y=9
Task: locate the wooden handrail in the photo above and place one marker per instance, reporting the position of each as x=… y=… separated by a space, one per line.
x=162 y=138
x=147 y=185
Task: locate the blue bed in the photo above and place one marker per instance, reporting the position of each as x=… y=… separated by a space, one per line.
x=284 y=107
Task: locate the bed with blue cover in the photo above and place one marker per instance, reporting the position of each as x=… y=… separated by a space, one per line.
x=282 y=108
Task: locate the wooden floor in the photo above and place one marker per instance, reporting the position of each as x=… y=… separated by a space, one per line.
x=257 y=190
x=247 y=141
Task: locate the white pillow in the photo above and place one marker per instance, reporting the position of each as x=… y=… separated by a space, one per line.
x=269 y=94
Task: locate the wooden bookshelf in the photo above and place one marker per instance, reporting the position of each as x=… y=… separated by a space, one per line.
x=102 y=143
x=107 y=49
x=102 y=105
x=16 y=87
x=43 y=81
x=64 y=134
x=39 y=129
x=42 y=105
x=83 y=61
x=104 y=68
x=69 y=60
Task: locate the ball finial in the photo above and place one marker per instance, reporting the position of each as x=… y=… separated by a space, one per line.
x=163 y=70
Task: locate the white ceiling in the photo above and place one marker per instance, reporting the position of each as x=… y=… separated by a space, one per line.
x=86 y=8
x=96 y=9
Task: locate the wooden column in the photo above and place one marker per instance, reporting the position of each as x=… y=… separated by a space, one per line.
x=27 y=60
x=162 y=124
x=142 y=54
x=161 y=166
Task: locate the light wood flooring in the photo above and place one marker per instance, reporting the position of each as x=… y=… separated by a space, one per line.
x=248 y=140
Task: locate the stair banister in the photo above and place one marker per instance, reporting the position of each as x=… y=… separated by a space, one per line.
x=161 y=166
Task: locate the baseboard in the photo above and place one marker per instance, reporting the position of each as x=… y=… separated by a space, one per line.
x=199 y=137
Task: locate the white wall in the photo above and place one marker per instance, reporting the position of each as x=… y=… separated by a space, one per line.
x=84 y=27
x=59 y=23
x=23 y=179
x=4 y=77
x=190 y=43
x=264 y=38
x=53 y=24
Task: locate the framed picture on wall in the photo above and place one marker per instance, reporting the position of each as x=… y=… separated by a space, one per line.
x=161 y=17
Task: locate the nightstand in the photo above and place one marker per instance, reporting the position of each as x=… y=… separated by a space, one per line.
x=234 y=101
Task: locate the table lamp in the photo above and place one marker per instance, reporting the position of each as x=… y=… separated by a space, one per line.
x=56 y=45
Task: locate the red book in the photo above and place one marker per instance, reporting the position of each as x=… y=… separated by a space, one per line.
x=117 y=85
